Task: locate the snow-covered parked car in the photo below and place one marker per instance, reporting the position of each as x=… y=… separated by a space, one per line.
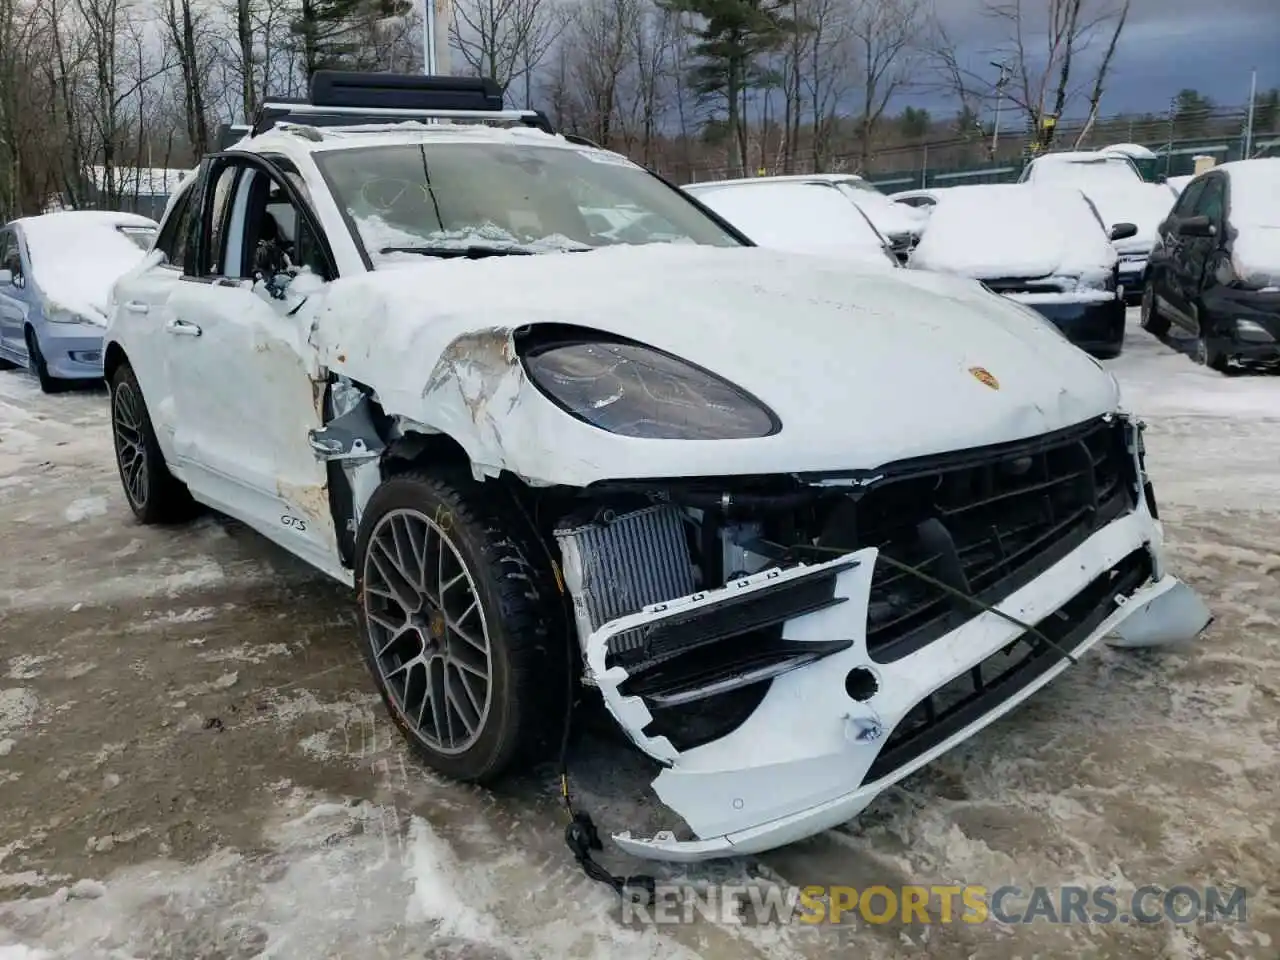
x=1044 y=247
x=56 y=273
x=922 y=200
x=900 y=225
x=802 y=526
x=1215 y=271
x=1116 y=187
x=800 y=217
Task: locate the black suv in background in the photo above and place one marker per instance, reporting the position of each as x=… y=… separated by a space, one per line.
x=1215 y=269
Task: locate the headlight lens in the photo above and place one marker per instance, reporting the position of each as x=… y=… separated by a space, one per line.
x=636 y=391
x=1253 y=332
x=65 y=316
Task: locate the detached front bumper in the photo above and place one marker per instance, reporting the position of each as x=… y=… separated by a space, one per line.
x=72 y=351
x=828 y=737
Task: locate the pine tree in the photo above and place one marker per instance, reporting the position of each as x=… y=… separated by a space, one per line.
x=731 y=35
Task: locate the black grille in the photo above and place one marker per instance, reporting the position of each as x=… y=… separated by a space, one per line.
x=984 y=522
x=1022 y=285
x=961 y=701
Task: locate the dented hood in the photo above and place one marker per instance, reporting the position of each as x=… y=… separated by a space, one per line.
x=862 y=366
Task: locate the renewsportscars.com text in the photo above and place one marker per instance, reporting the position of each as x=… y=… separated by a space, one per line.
x=937 y=904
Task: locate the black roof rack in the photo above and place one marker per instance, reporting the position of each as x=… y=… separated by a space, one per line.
x=342 y=98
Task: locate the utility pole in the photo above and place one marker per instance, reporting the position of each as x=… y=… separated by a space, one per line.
x=1003 y=67
x=435 y=37
x=1248 y=127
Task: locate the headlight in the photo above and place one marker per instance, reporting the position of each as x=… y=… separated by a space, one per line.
x=66 y=316
x=1253 y=332
x=636 y=391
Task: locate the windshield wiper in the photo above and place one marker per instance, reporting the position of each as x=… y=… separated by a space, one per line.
x=471 y=251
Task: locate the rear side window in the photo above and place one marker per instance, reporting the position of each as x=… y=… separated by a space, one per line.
x=177 y=234
x=10 y=258
x=1213 y=200
x=1187 y=202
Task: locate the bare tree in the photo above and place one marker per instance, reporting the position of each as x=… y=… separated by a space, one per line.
x=1044 y=78
x=1104 y=69
x=827 y=62
x=184 y=26
x=887 y=35
x=595 y=56
x=505 y=40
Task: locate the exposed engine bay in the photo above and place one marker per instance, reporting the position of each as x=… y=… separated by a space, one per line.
x=983 y=525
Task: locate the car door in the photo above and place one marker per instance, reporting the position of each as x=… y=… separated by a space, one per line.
x=142 y=313
x=1202 y=256
x=1168 y=266
x=245 y=377
x=13 y=305
x=1198 y=254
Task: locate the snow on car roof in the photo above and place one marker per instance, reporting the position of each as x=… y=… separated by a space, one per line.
x=1255 y=191
x=373 y=135
x=1014 y=230
x=77 y=255
x=799 y=217
x=780 y=178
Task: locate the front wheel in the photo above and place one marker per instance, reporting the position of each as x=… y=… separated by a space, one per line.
x=456 y=624
x=1209 y=355
x=1152 y=320
x=39 y=366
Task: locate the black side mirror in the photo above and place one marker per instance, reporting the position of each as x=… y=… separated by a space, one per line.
x=1197 y=227
x=1123 y=231
x=1162 y=178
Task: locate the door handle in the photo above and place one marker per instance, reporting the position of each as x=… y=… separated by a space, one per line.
x=182 y=329
x=137 y=306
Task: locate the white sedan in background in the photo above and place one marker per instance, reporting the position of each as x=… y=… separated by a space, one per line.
x=900 y=225
x=56 y=275
x=799 y=218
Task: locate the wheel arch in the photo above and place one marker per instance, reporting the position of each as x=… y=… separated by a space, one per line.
x=113 y=356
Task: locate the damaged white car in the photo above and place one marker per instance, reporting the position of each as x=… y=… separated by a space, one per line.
x=802 y=525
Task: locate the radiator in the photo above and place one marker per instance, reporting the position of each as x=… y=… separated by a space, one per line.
x=615 y=567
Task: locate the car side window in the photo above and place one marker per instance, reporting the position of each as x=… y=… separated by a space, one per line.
x=1187 y=202
x=219 y=218
x=10 y=257
x=176 y=236
x=1213 y=200
x=269 y=233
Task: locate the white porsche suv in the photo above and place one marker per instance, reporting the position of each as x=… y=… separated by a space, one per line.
x=802 y=525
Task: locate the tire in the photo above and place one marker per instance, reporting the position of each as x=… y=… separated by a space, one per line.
x=1152 y=320
x=1207 y=355
x=495 y=669
x=154 y=494
x=36 y=361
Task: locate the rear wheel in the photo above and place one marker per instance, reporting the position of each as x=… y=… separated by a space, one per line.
x=456 y=625
x=154 y=494
x=1154 y=322
x=35 y=359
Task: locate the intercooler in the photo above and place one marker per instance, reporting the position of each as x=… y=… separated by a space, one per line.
x=616 y=564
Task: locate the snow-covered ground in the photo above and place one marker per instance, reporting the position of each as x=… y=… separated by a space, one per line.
x=192 y=763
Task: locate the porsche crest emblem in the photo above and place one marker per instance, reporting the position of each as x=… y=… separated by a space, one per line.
x=984 y=377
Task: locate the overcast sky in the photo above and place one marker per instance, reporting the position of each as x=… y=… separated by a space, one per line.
x=1208 y=45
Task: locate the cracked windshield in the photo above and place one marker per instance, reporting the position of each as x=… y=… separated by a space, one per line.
x=459 y=199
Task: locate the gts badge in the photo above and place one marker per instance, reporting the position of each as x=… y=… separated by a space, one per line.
x=297 y=524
